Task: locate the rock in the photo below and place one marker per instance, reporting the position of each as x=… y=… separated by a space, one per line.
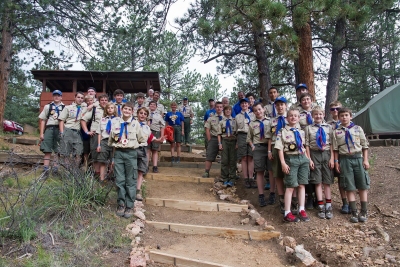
x=244 y=212
x=218 y=185
x=305 y=256
x=289 y=241
x=289 y=250
x=260 y=221
x=245 y=221
x=382 y=233
x=254 y=214
x=140 y=215
x=138 y=204
x=137 y=261
x=379 y=262
x=137 y=239
x=244 y=202
x=225 y=197
x=390 y=258
x=251 y=207
x=139 y=223
x=395 y=212
x=220 y=192
x=133 y=229
x=267 y=227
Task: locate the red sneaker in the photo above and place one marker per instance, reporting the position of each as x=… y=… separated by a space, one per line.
x=290 y=218
x=303 y=216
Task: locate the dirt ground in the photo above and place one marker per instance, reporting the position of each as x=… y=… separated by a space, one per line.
x=337 y=242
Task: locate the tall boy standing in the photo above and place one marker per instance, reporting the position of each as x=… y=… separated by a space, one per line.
x=188 y=114
x=175 y=119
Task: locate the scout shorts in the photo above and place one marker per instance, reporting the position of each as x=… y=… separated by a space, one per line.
x=51 y=140
x=154 y=145
x=104 y=156
x=299 y=170
x=212 y=149
x=243 y=148
x=260 y=156
x=353 y=176
x=321 y=173
x=142 y=159
x=71 y=142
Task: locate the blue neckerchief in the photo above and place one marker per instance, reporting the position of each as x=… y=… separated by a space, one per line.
x=151 y=117
x=77 y=112
x=349 y=136
x=337 y=124
x=281 y=123
x=299 y=142
x=220 y=118
x=247 y=117
x=119 y=110
x=141 y=124
x=273 y=110
x=124 y=126
x=57 y=110
x=261 y=129
x=228 y=127
x=108 y=127
x=320 y=137
x=184 y=109
x=309 y=118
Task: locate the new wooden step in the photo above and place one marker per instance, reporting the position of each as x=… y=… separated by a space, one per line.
x=215 y=231
x=167 y=258
x=194 y=165
x=178 y=178
x=195 y=205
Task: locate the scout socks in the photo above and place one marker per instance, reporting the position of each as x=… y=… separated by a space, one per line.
x=328 y=202
x=321 y=204
x=353 y=206
x=364 y=205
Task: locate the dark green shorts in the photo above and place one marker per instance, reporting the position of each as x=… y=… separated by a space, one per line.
x=212 y=149
x=86 y=146
x=177 y=133
x=71 y=143
x=321 y=173
x=142 y=159
x=243 y=148
x=154 y=145
x=353 y=176
x=105 y=155
x=51 y=140
x=260 y=156
x=299 y=170
x=94 y=141
x=276 y=165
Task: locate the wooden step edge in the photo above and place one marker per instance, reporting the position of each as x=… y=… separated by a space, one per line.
x=195 y=205
x=178 y=178
x=215 y=231
x=166 y=258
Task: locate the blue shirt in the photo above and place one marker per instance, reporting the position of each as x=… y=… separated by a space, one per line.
x=174 y=118
x=209 y=113
x=237 y=108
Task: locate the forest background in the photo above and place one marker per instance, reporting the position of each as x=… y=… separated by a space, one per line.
x=345 y=50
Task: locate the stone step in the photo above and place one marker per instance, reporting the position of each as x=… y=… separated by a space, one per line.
x=195 y=205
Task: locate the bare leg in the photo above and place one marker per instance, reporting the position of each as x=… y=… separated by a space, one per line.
x=139 y=180
x=244 y=167
x=318 y=192
x=178 y=149
x=288 y=198
x=250 y=166
x=327 y=191
x=102 y=170
x=172 y=149
x=46 y=160
x=363 y=195
x=154 y=157
x=279 y=185
x=301 y=195
x=260 y=182
x=208 y=165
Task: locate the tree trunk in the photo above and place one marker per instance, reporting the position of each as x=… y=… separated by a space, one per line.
x=332 y=87
x=264 y=77
x=5 y=60
x=305 y=61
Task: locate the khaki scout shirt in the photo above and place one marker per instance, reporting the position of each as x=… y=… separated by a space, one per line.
x=242 y=123
x=253 y=134
x=287 y=142
x=70 y=118
x=311 y=136
x=334 y=124
x=147 y=101
x=188 y=111
x=135 y=134
x=271 y=129
x=303 y=118
x=156 y=121
x=116 y=107
x=96 y=118
x=146 y=132
x=222 y=127
x=160 y=108
x=339 y=140
x=213 y=123
x=53 y=117
x=101 y=129
x=136 y=108
x=269 y=108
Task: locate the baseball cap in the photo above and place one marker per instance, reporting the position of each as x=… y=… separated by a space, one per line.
x=185 y=98
x=57 y=92
x=301 y=85
x=280 y=98
x=140 y=94
x=244 y=99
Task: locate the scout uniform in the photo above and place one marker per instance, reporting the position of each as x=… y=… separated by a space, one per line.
x=125 y=137
x=118 y=106
x=188 y=114
x=242 y=122
x=350 y=141
x=305 y=118
x=136 y=108
x=104 y=129
x=175 y=120
x=156 y=123
x=51 y=140
x=160 y=108
x=273 y=128
x=212 y=148
x=142 y=150
x=334 y=124
x=294 y=156
x=147 y=101
x=256 y=135
x=226 y=129
x=319 y=139
x=71 y=140
x=92 y=119
x=270 y=110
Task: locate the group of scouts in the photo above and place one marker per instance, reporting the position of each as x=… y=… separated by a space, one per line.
x=118 y=134
x=300 y=151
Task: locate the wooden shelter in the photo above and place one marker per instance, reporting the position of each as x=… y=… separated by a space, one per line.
x=71 y=81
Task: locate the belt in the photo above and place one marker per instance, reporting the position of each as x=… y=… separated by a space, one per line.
x=352 y=156
x=74 y=130
x=260 y=144
x=320 y=151
x=177 y=125
x=51 y=126
x=294 y=155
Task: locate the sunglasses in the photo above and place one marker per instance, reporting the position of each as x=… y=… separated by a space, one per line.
x=333 y=109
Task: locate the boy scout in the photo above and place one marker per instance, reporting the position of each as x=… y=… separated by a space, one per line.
x=119 y=100
x=212 y=127
x=160 y=107
x=351 y=160
x=89 y=105
x=139 y=103
x=70 y=126
x=227 y=143
x=295 y=164
x=188 y=114
x=270 y=110
x=244 y=152
x=175 y=119
x=319 y=150
x=49 y=131
x=258 y=142
x=125 y=137
x=157 y=125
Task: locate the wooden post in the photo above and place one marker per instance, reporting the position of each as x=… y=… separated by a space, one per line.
x=44 y=86
x=75 y=86
x=104 y=85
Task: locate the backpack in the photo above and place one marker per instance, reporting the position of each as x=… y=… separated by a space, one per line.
x=169 y=133
x=51 y=104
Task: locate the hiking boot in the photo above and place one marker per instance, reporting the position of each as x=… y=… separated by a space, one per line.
x=329 y=213
x=206 y=175
x=321 y=212
x=253 y=183
x=303 y=216
x=54 y=170
x=294 y=207
x=247 y=183
x=354 y=217
x=172 y=159
x=155 y=169
x=267 y=186
x=271 y=199
x=310 y=203
x=345 y=209
x=363 y=216
x=290 y=218
x=178 y=160
x=230 y=184
x=128 y=213
x=282 y=207
x=139 y=196
x=120 y=211
x=261 y=201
